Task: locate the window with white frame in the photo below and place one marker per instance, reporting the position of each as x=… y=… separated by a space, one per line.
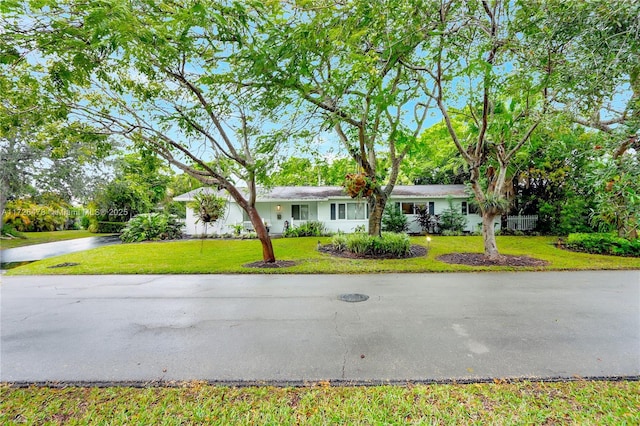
x=300 y=211
x=349 y=211
x=412 y=208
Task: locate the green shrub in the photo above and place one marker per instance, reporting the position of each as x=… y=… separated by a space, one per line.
x=393 y=244
x=152 y=226
x=339 y=241
x=393 y=220
x=510 y=232
x=359 y=243
x=85 y=221
x=603 y=243
x=307 y=229
x=107 y=227
x=10 y=231
x=452 y=219
x=29 y=216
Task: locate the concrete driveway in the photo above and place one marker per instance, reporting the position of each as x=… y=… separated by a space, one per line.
x=43 y=251
x=292 y=329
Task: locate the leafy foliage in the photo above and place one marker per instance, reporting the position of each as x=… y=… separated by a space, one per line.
x=151 y=227
x=8 y=230
x=428 y=222
x=105 y=227
x=389 y=243
x=40 y=150
x=339 y=241
x=452 y=220
x=435 y=160
x=27 y=215
x=307 y=229
x=603 y=243
x=208 y=207
x=617 y=197
x=393 y=220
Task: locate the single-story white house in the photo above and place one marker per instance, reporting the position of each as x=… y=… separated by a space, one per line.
x=283 y=206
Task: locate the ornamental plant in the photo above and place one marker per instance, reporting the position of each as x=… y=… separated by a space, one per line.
x=208 y=207
x=358 y=185
x=152 y=227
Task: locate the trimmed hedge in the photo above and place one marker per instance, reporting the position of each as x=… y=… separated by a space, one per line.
x=107 y=227
x=603 y=243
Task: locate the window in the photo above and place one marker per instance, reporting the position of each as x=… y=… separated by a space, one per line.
x=464 y=208
x=408 y=208
x=300 y=211
x=349 y=211
x=355 y=211
x=432 y=207
x=342 y=212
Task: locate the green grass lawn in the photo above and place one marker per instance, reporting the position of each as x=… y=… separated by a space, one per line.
x=584 y=402
x=229 y=256
x=45 y=237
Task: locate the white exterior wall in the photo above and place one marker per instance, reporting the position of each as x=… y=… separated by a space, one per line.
x=343 y=225
x=318 y=211
x=474 y=221
x=276 y=219
x=232 y=216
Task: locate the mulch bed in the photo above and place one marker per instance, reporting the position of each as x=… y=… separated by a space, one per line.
x=416 y=251
x=276 y=264
x=472 y=259
x=478 y=259
x=63 y=265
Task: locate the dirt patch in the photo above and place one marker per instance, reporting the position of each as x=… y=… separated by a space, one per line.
x=63 y=265
x=276 y=264
x=415 y=251
x=478 y=259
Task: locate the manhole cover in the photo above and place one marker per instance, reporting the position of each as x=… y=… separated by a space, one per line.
x=354 y=297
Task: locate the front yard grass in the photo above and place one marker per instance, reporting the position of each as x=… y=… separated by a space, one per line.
x=229 y=256
x=580 y=402
x=45 y=237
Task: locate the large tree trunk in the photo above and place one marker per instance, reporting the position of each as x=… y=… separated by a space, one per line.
x=489 y=236
x=376 y=210
x=268 y=256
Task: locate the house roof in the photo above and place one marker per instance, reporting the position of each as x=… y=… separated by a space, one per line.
x=324 y=193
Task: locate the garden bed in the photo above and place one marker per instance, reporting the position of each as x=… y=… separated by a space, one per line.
x=479 y=259
x=415 y=251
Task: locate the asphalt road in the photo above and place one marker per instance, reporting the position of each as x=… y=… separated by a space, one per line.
x=292 y=329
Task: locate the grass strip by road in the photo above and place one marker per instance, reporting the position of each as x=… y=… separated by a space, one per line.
x=580 y=402
x=45 y=237
x=229 y=256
